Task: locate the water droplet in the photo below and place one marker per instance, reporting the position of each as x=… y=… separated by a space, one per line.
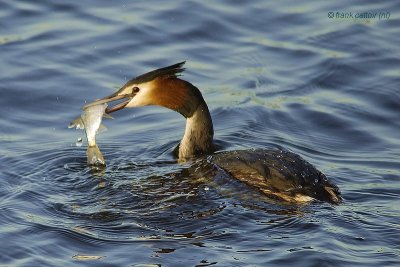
x=79 y=142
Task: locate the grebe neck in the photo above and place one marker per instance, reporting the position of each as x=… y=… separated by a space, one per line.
x=199 y=132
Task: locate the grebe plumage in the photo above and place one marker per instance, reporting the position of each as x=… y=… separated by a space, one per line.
x=278 y=174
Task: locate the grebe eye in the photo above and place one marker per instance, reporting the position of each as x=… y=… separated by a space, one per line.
x=135 y=89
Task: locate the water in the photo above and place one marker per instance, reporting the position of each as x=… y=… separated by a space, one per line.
x=273 y=74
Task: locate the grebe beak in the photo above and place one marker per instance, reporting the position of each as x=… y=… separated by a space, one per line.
x=111 y=98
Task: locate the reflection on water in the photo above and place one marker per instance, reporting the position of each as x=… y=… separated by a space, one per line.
x=281 y=75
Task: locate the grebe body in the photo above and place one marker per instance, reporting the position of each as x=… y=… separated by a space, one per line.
x=279 y=174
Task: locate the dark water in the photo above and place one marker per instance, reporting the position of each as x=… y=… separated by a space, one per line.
x=276 y=74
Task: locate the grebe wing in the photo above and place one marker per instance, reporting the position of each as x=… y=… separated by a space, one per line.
x=278 y=174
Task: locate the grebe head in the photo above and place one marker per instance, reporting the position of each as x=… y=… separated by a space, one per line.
x=160 y=87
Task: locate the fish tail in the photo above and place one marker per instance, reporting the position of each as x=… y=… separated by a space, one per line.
x=94 y=156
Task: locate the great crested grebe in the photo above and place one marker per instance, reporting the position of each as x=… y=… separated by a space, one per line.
x=279 y=174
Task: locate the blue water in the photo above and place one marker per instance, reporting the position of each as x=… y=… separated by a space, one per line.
x=274 y=74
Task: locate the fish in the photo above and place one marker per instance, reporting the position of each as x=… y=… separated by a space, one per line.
x=90 y=121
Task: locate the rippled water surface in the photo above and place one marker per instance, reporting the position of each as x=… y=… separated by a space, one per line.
x=274 y=74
